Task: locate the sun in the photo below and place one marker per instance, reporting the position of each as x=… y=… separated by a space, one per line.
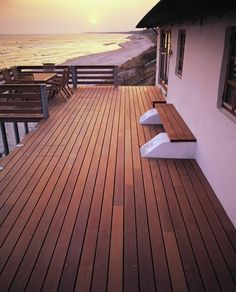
x=94 y=21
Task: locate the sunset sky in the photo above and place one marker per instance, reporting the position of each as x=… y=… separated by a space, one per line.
x=71 y=16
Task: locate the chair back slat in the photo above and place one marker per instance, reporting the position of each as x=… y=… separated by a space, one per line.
x=48 y=67
x=6 y=73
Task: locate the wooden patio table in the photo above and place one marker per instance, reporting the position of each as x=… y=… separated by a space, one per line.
x=43 y=77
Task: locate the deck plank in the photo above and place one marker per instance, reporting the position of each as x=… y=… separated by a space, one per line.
x=176 y=269
x=157 y=244
x=99 y=279
x=80 y=210
x=43 y=201
x=115 y=273
x=224 y=219
x=131 y=280
x=89 y=248
x=146 y=273
x=212 y=236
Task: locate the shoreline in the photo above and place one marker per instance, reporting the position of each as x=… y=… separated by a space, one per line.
x=136 y=44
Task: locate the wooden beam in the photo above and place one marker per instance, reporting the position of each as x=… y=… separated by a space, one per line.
x=115 y=76
x=74 y=76
x=26 y=128
x=4 y=138
x=16 y=132
x=44 y=100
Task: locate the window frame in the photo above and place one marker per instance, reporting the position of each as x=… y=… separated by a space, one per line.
x=180 y=52
x=165 y=53
x=230 y=76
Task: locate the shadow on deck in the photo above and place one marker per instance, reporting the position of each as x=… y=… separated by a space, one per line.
x=81 y=210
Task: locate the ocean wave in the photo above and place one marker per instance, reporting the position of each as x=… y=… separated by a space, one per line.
x=34 y=50
x=109 y=44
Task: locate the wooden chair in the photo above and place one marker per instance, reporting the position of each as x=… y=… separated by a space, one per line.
x=60 y=85
x=66 y=80
x=6 y=73
x=48 y=67
x=9 y=79
x=22 y=77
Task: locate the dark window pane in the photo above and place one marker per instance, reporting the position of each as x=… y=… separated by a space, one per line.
x=229 y=98
x=180 y=54
x=164 y=56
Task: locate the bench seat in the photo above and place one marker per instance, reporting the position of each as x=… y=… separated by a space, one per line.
x=176 y=142
x=174 y=124
x=159 y=98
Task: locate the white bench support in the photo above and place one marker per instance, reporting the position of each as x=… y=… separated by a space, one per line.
x=151 y=117
x=161 y=147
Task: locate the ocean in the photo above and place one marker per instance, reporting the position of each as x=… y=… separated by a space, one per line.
x=38 y=49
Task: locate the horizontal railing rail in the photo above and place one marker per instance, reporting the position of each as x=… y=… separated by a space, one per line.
x=141 y=81
x=5 y=143
x=23 y=102
x=82 y=74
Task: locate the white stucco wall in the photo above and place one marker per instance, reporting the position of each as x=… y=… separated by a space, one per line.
x=195 y=96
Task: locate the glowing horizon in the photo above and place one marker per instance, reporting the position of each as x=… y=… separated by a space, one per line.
x=73 y=16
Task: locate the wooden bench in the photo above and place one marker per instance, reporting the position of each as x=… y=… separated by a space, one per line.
x=176 y=142
x=174 y=125
x=159 y=98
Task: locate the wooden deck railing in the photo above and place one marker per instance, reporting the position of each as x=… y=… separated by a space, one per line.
x=29 y=103
x=83 y=74
x=21 y=103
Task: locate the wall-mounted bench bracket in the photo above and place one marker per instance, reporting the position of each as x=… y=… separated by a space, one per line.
x=177 y=142
x=161 y=147
x=151 y=117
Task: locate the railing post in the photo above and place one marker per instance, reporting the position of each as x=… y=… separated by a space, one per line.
x=26 y=128
x=4 y=138
x=16 y=132
x=44 y=100
x=115 y=76
x=74 y=76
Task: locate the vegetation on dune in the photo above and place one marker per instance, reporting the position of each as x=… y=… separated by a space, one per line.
x=141 y=69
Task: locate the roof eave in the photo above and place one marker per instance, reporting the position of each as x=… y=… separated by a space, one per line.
x=172 y=13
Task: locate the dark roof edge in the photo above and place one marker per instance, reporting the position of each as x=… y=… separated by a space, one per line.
x=168 y=12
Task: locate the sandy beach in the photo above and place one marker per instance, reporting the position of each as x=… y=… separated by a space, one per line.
x=135 y=45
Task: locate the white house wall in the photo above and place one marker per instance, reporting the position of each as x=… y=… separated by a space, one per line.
x=195 y=96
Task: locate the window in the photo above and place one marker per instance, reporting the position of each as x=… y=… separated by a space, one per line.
x=165 y=52
x=229 y=97
x=180 y=53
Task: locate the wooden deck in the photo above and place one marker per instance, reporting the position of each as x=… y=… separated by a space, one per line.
x=81 y=210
